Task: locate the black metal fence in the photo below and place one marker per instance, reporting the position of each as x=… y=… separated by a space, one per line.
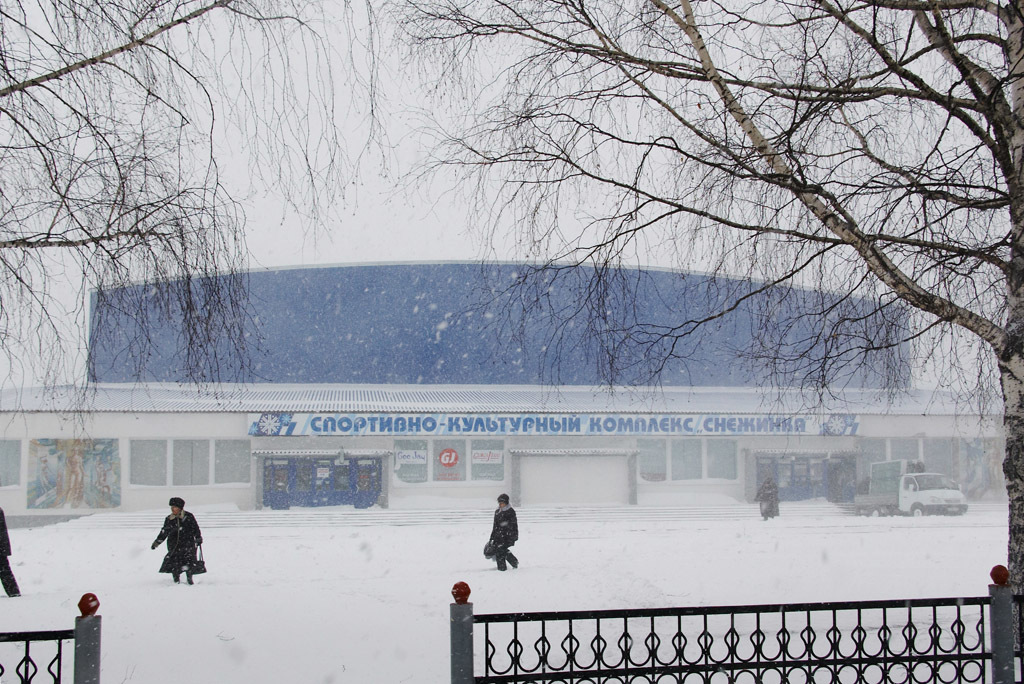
x=33 y=653
x=940 y=640
x=36 y=657
x=913 y=641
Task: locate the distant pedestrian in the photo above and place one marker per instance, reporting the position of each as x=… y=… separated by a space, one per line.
x=6 y=575
x=504 y=533
x=183 y=538
x=768 y=495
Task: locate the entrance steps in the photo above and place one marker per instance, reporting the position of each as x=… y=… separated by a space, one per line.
x=340 y=516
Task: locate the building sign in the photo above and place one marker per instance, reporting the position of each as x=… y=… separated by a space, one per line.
x=410 y=457
x=487 y=456
x=501 y=424
x=449 y=458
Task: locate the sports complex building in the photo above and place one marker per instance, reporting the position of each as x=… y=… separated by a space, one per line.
x=432 y=385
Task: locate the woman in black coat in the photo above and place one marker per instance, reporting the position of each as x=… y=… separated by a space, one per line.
x=6 y=575
x=183 y=538
x=768 y=495
x=504 y=533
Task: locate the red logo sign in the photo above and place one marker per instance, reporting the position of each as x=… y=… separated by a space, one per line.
x=449 y=458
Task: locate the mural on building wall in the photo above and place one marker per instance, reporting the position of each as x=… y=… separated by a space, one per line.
x=74 y=473
x=981 y=464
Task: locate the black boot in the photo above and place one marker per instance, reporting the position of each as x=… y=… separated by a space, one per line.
x=512 y=560
x=188 y=578
x=177 y=579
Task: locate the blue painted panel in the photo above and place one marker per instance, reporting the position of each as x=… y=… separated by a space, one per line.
x=462 y=323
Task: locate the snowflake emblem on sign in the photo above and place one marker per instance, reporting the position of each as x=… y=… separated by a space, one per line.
x=840 y=424
x=271 y=424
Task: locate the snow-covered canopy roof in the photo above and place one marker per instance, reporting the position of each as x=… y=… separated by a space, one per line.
x=257 y=398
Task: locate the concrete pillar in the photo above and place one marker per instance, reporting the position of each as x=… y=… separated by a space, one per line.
x=87 y=641
x=461 y=635
x=1001 y=626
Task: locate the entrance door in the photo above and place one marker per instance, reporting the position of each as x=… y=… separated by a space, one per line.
x=321 y=481
x=313 y=482
x=366 y=476
x=809 y=476
x=799 y=476
x=276 y=476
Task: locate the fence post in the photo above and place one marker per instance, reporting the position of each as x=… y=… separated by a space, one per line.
x=1001 y=625
x=87 y=641
x=462 y=635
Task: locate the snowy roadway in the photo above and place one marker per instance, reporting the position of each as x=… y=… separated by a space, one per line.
x=362 y=596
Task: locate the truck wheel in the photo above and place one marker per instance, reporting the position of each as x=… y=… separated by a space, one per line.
x=916 y=510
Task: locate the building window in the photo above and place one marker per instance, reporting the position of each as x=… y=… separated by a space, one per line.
x=904 y=448
x=686 y=459
x=487 y=459
x=231 y=461
x=148 y=459
x=873 y=450
x=191 y=462
x=981 y=467
x=411 y=460
x=722 y=459
x=449 y=460
x=10 y=462
x=938 y=456
x=652 y=459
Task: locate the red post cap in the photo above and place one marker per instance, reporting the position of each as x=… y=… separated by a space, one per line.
x=1000 y=575
x=88 y=604
x=460 y=591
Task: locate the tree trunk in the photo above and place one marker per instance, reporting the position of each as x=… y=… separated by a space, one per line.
x=1012 y=378
x=1011 y=354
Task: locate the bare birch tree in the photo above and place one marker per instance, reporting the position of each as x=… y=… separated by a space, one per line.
x=119 y=123
x=872 y=148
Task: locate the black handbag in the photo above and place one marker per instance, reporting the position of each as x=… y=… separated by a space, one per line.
x=199 y=567
x=489 y=550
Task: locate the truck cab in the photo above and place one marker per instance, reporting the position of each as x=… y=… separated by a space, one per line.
x=930 y=494
x=900 y=487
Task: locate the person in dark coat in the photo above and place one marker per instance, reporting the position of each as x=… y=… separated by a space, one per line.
x=768 y=495
x=504 y=534
x=183 y=538
x=6 y=574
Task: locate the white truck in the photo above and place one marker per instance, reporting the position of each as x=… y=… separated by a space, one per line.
x=901 y=487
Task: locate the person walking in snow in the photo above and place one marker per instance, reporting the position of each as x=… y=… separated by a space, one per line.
x=768 y=495
x=6 y=574
x=504 y=533
x=183 y=538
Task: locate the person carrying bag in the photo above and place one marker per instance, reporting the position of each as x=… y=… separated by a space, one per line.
x=184 y=541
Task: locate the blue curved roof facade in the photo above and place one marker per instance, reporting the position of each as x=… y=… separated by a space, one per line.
x=474 y=324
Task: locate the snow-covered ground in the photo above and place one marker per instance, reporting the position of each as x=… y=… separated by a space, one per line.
x=327 y=598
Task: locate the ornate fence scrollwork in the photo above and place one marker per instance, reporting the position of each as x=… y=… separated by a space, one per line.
x=897 y=642
x=29 y=665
